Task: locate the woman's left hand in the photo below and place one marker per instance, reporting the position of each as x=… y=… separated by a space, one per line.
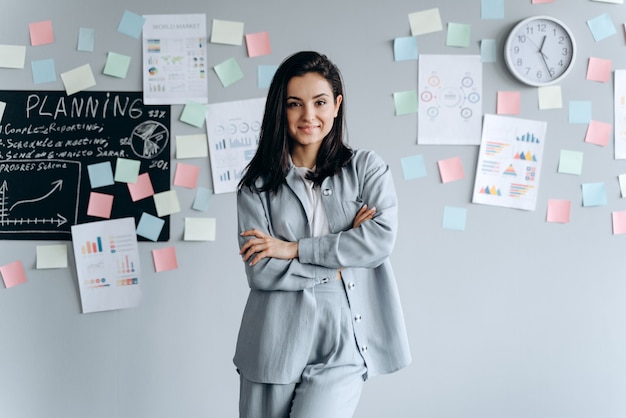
x=266 y=246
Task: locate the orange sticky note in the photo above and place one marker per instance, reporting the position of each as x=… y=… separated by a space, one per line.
x=599 y=70
x=258 y=44
x=558 y=210
x=598 y=133
x=186 y=175
x=142 y=188
x=13 y=274
x=100 y=205
x=451 y=169
x=508 y=103
x=41 y=33
x=165 y=259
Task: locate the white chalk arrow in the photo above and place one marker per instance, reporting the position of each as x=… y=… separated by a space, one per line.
x=56 y=185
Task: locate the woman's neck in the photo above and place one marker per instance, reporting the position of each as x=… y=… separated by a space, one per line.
x=302 y=157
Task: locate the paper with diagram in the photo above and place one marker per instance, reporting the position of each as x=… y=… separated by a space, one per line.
x=450 y=99
x=509 y=162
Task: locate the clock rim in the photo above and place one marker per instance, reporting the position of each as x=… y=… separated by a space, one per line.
x=508 y=58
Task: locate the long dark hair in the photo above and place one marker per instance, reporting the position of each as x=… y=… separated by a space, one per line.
x=271 y=161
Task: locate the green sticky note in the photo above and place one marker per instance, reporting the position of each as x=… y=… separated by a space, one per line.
x=127 y=171
x=194 y=113
x=117 y=65
x=571 y=162
x=228 y=72
x=405 y=102
x=459 y=35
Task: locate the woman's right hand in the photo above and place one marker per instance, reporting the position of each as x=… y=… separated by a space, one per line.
x=363 y=215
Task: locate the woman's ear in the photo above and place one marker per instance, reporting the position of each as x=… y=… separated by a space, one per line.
x=338 y=101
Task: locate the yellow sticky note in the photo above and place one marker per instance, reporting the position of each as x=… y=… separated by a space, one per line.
x=78 y=79
x=51 y=256
x=425 y=21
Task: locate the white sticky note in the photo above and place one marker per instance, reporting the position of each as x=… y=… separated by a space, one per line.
x=12 y=56
x=227 y=32
x=192 y=146
x=199 y=229
x=425 y=21
x=51 y=256
x=550 y=97
x=78 y=79
x=166 y=203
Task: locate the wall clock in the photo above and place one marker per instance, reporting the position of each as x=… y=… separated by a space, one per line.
x=540 y=50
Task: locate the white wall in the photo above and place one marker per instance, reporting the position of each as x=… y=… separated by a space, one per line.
x=513 y=317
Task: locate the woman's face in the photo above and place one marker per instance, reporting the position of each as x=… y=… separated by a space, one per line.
x=311 y=109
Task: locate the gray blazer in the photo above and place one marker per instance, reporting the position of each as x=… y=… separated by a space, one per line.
x=275 y=336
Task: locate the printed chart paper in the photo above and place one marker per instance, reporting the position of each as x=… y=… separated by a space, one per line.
x=233 y=130
x=175 y=59
x=450 y=99
x=620 y=114
x=107 y=264
x=509 y=162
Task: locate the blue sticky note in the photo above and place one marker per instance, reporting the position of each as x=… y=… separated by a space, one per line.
x=454 y=218
x=601 y=27
x=492 y=9
x=488 y=51
x=405 y=48
x=594 y=194
x=43 y=71
x=131 y=24
x=201 y=201
x=86 y=39
x=265 y=74
x=413 y=167
x=579 y=111
x=100 y=174
x=150 y=226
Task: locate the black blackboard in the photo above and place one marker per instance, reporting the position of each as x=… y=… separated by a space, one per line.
x=48 y=140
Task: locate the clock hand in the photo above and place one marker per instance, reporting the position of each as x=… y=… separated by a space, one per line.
x=544 y=56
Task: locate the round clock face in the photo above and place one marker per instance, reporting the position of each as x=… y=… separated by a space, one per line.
x=540 y=50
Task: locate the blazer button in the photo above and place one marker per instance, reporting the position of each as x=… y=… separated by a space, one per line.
x=363 y=348
x=327 y=192
x=357 y=318
x=351 y=285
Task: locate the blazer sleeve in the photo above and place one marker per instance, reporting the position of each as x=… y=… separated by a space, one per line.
x=370 y=244
x=273 y=273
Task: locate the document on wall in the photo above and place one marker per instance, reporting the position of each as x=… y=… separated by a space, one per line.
x=233 y=133
x=450 y=99
x=175 y=59
x=107 y=264
x=620 y=114
x=509 y=162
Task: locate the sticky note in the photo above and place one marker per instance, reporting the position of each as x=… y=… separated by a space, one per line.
x=41 y=33
x=622 y=184
x=194 y=113
x=192 y=146
x=13 y=274
x=265 y=73
x=594 y=194
x=12 y=56
x=166 y=203
x=127 y=170
x=43 y=71
x=116 y=65
x=405 y=48
x=228 y=72
x=201 y=200
x=450 y=169
x=413 y=167
x=580 y=111
x=86 y=39
x=405 y=102
x=619 y=222
x=100 y=174
x=186 y=175
x=149 y=226
x=164 y=259
x=142 y=188
x=258 y=44
x=610 y=1
x=488 y=50
x=100 y=205
x=78 y=79
x=598 y=133
x=458 y=35
x=454 y=218
x=226 y=32
x=199 y=229
x=542 y=1
x=508 y=103
x=570 y=162
x=550 y=97
x=3 y=106
x=558 y=211
x=601 y=27
x=51 y=256
x=492 y=9
x=599 y=70
x=425 y=21
x=131 y=24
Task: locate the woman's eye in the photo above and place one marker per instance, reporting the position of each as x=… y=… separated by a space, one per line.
x=293 y=104
x=321 y=102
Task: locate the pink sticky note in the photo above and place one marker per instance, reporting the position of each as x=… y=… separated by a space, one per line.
x=451 y=169
x=186 y=175
x=41 y=33
x=598 y=133
x=100 y=205
x=542 y=1
x=142 y=188
x=13 y=274
x=258 y=44
x=164 y=259
x=508 y=103
x=599 y=70
x=558 y=210
x=619 y=222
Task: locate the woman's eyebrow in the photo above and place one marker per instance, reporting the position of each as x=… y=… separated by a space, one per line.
x=315 y=97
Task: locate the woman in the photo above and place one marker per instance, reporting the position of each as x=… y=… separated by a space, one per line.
x=317 y=224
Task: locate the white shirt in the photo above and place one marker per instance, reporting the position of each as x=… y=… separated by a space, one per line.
x=314 y=210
